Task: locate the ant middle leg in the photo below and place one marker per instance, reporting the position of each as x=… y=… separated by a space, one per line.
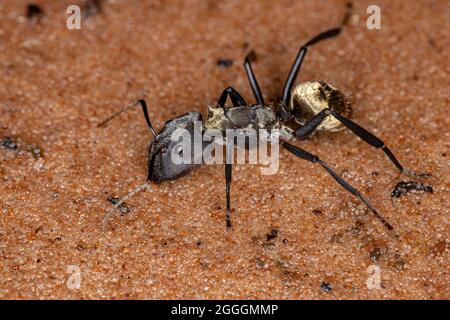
x=362 y=133
x=237 y=101
x=252 y=79
x=314 y=159
x=228 y=176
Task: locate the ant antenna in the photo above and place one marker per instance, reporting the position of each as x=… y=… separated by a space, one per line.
x=144 y=109
x=111 y=211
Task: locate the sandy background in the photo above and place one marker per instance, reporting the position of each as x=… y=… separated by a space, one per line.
x=59 y=169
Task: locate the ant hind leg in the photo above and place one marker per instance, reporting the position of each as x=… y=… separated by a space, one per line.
x=314 y=159
x=362 y=133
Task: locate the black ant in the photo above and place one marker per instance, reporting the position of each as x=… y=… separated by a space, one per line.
x=313 y=105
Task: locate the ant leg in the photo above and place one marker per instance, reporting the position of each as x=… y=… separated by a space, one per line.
x=362 y=133
x=252 y=79
x=237 y=101
x=302 y=52
x=314 y=159
x=144 y=110
x=235 y=97
x=228 y=175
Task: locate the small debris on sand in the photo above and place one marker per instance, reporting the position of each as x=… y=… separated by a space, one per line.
x=8 y=143
x=402 y=188
x=91 y=8
x=326 y=287
x=224 y=63
x=14 y=144
x=272 y=235
x=34 y=12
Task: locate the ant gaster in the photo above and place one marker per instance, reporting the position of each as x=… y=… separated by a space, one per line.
x=310 y=106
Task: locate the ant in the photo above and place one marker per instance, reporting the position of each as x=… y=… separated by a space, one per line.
x=310 y=106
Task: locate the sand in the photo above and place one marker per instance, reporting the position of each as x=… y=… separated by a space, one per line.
x=296 y=234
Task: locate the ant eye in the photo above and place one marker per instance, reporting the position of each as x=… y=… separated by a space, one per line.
x=180 y=151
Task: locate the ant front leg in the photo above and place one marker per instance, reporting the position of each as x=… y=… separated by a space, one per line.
x=362 y=133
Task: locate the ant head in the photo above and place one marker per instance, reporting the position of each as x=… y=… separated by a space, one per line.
x=162 y=164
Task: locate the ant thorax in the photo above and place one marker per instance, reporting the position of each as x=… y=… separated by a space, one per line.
x=247 y=119
x=309 y=98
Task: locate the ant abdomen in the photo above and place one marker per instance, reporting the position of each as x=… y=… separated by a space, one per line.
x=309 y=98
